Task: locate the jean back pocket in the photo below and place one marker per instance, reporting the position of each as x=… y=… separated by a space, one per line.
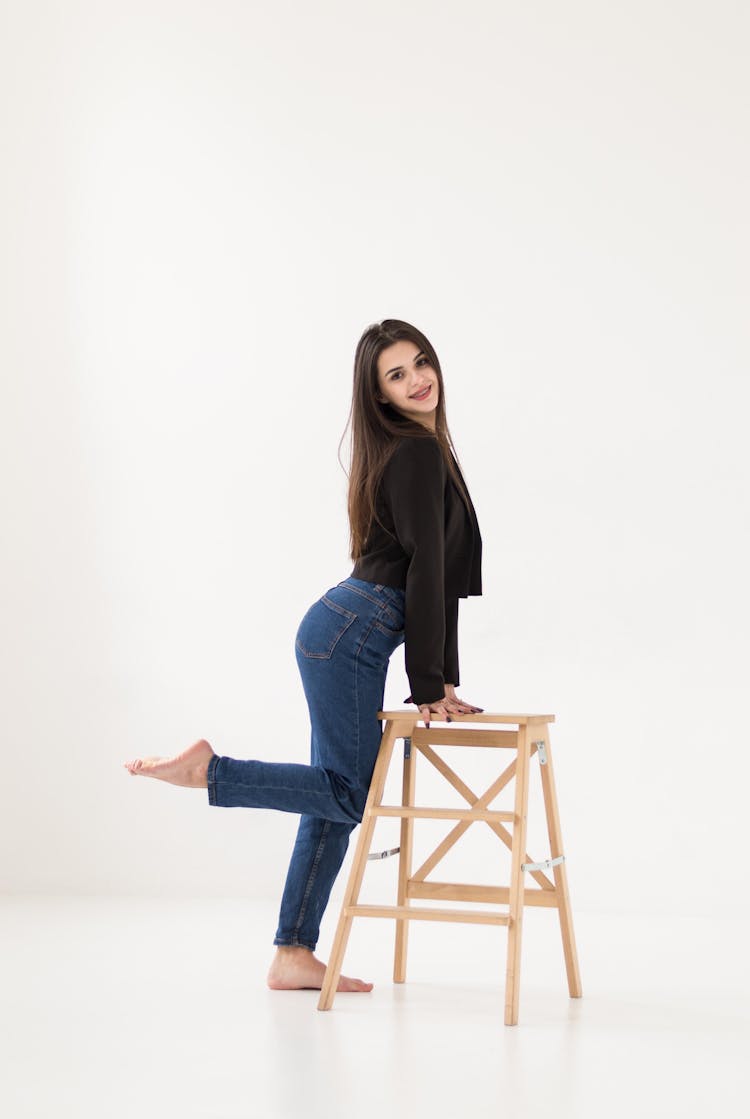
x=322 y=627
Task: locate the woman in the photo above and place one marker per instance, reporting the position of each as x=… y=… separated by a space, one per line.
x=416 y=547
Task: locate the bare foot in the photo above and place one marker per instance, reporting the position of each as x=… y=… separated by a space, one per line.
x=297 y=969
x=187 y=769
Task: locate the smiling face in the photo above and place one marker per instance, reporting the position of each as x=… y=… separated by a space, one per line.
x=403 y=371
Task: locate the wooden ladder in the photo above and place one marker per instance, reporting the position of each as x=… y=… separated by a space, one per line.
x=529 y=736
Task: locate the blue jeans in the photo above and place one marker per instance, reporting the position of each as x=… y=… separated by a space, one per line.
x=343 y=646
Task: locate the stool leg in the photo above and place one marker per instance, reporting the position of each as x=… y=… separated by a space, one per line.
x=404 y=864
x=516 y=892
x=374 y=798
x=559 y=871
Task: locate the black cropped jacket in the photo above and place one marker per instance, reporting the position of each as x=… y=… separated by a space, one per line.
x=431 y=548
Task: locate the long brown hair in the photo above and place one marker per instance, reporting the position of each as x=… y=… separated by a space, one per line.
x=376 y=428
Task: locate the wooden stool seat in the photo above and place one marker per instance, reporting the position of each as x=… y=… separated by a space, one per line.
x=529 y=736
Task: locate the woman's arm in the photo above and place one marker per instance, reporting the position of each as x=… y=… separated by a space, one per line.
x=414 y=482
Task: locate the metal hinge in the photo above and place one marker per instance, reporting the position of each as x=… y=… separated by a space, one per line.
x=543 y=865
x=541 y=750
x=384 y=854
x=407 y=747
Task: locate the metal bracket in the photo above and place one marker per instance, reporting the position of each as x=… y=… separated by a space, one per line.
x=543 y=865
x=541 y=750
x=384 y=854
x=407 y=747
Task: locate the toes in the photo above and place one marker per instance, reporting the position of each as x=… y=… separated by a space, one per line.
x=346 y=984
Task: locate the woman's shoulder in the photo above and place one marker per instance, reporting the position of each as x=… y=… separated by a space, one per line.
x=417 y=454
x=417 y=448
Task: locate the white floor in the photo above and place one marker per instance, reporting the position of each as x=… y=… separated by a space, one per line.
x=131 y=1007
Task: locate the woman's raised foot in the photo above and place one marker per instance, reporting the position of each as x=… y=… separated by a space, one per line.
x=188 y=769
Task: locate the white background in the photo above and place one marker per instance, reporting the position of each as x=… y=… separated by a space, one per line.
x=202 y=207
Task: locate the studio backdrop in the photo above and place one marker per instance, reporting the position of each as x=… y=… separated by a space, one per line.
x=202 y=208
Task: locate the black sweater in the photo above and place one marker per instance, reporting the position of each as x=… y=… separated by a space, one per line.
x=432 y=549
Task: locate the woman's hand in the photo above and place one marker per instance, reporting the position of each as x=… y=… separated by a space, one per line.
x=443 y=708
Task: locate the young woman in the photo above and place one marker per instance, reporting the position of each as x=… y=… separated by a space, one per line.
x=417 y=549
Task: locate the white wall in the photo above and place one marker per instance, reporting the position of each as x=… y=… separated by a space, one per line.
x=202 y=206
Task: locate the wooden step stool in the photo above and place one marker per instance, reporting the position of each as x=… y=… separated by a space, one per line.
x=530 y=736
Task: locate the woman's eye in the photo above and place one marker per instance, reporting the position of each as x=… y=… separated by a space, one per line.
x=421 y=361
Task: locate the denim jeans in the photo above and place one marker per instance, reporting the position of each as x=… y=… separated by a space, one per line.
x=343 y=646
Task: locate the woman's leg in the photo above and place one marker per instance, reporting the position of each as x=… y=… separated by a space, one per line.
x=343 y=665
x=319 y=851
x=343 y=646
x=344 y=691
x=233 y=783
